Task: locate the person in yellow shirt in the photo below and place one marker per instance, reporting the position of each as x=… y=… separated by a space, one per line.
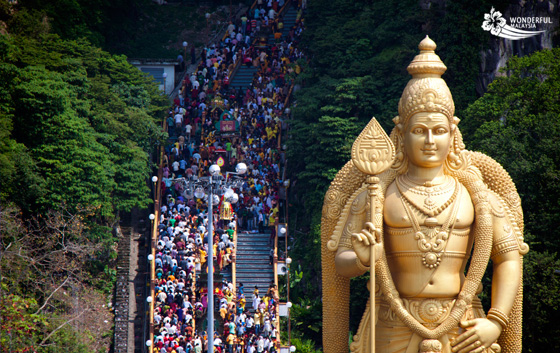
x=223 y=312
x=272 y=218
x=227 y=257
x=230 y=341
x=215 y=249
x=229 y=297
x=241 y=343
x=272 y=224
x=257 y=317
x=202 y=257
x=274 y=210
x=242 y=302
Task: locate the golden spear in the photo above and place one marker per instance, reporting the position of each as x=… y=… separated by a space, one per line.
x=373 y=153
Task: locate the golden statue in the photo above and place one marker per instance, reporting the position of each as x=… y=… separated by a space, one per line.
x=422 y=206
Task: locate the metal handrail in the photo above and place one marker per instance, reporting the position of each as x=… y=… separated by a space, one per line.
x=155 y=224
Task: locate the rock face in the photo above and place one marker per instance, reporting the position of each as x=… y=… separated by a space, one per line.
x=500 y=50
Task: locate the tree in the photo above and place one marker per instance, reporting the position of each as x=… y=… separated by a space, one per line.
x=88 y=121
x=77 y=127
x=517 y=123
x=45 y=290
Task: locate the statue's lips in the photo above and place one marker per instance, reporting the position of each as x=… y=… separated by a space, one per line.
x=429 y=152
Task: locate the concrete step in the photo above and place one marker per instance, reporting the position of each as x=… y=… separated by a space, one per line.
x=242 y=236
x=252 y=263
x=246 y=260
x=264 y=255
x=254 y=246
x=262 y=282
x=261 y=244
x=253 y=241
x=256 y=270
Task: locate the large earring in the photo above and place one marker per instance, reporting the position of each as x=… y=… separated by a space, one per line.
x=400 y=163
x=456 y=160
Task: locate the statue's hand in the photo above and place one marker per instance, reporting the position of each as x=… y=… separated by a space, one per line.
x=480 y=334
x=370 y=236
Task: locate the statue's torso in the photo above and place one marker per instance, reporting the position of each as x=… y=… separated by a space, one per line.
x=419 y=271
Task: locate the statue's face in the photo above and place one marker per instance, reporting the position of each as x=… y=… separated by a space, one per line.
x=427 y=138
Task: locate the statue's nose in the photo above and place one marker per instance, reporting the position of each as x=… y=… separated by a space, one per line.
x=429 y=138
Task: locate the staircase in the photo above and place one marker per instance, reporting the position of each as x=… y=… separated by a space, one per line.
x=122 y=293
x=243 y=77
x=253 y=264
x=289 y=19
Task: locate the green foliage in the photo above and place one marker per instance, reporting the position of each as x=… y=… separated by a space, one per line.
x=71 y=19
x=306 y=317
x=20 y=328
x=322 y=135
x=144 y=29
x=517 y=123
x=541 y=302
x=306 y=321
x=69 y=340
x=304 y=345
x=50 y=260
x=77 y=128
x=87 y=120
x=101 y=263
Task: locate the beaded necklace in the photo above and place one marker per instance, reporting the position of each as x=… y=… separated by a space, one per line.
x=431 y=242
x=429 y=208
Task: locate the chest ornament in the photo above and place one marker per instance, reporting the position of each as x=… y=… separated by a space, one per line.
x=431 y=241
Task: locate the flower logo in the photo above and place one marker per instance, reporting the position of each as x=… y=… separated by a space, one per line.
x=493 y=22
x=497 y=25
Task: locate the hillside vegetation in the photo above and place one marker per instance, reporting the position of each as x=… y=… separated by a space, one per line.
x=77 y=129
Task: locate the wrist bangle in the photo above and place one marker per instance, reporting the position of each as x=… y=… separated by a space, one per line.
x=360 y=265
x=499 y=316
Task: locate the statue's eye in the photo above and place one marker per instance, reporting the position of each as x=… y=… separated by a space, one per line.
x=418 y=131
x=440 y=131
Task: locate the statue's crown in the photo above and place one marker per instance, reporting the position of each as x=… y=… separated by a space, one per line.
x=426 y=91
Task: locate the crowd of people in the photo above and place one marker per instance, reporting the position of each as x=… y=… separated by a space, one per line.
x=212 y=122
